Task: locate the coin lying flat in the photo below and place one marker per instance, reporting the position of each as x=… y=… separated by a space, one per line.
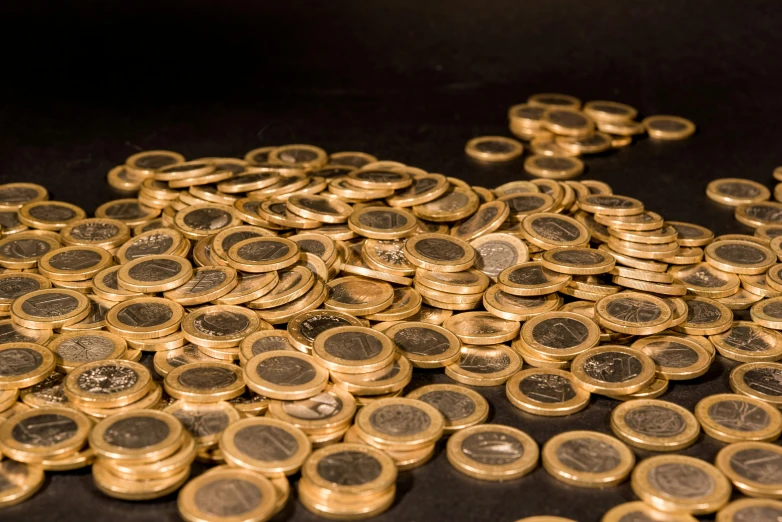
x=633 y=313
x=221 y=283
x=152 y=274
x=613 y=370
x=205 y=219
x=759 y=510
x=531 y=278
x=679 y=484
x=548 y=230
x=587 y=459
x=759 y=214
x=739 y=257
x=746 y=341
x=755 y=468
x=461 y=407
x=50 y=215
x=560 y=335
x=736 y=418
x=305 y=327
x=44 y=433
x=265 y=445
x=107 y=383
x=50 y=308
x=424 y=345
x=759 y=380
x=664 y=127
x=577 y=261
x=642 y=512
x=736 y=191
x=399 y=424
x=24 y=364
x=439 y=252
x=353 y=349
x=704 y=280
x=378 y=383
x=490 y=365
x=205 y=382
x=492 y=452
x=547 y=392
x=73 y=349
x=654 y=425
x=21 y=481
x=675 y=358
x=493 y=149
x=129 y=211
x=145 y=318
x=497 y=252
x=358 y=295
x=141 y=436
x=285 y=375
x=454 y=204
x=481 y=328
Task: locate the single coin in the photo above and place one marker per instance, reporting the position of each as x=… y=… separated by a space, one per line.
x=285 y=375
x=774 y=277
x=664 y=127
x=760 y=380
x=577 y=261
x=292 y=284
x=399 y=424
x=265 y=341
x=145 y=318
x=527 y=116
x=206 y=219
x=44 y=433
x=49 y=308
x=461 y=407
x=553 y=167
x=746 y=341
x=645 y=221
x=424 y=345
x=610 y=205
x=587 y=459
x=492 y=452
x=613 y=370
x=215 y=283
x=493 y=149
x=518 y=308
x=680 y=484
x=248 y=286
x=705 y=280
x=454 y=204
x=166 y=361
x=768 y=313
x=353 y=349
x=48 y=392
x=567 y=122
x=106 y=286
x=107 y=383
x=14 y=285
x=50 y=215
x=351 y=159
x=382 y=222
x=552 y=100
x=184 y=170
x=481 y=328
x=548 y=230
x=739 y=257
x=305 y=327
x=249 y=181
x=498 y=251
x=487 y=219
x=96 y=232
x=690 y=235
x=73 y=349
x=205 y=382
x=769 y=232
x=227 y=238
x=759 y=214
x=638 y=511
x=74 y=263
x=142 y=436
x=263 y=254
x=219 y=326
x=19 y=194
x=156 y=273
x=560 y=335
x=424 y=189
x=546 y=392
x=319 y=208
x=467 y=282
x=590 y=144
x=331 y=409
x=358 y=295
x=21 y=480
x=624 y=129
x=490 y=365
x=24 y=249
x=439 y=252
x=705 y=317
x=738 y=418
x=633 y=313
x=531 y=279
x=301 y=156
x=676 y=358
x=407 y=302
x=757 y=510
x=654 y=425
x=652 y=391
x=736 y=191
x=227 y=494
x=129 y=211
x=160 y=241
x=265 y=445
x=755 y=468
x=609 y=111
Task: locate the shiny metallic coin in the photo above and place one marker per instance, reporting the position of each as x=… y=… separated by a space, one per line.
x=48 y=392
x=285 y=375
x=9 y=220
x=492 y=452
x=755 y=468
x=214 y=283
x=424 y=189
x=358 y=296
x=259 y=155
x=287 y=185
x=603 y=111
x=487 y=219
x=633 y=313
x=624 y=129
x=759 y=380
x=588 y=144
x=292 y=284
x=263 y=254
x=769 y=232
x=767 y=313
x=399 y=424
x=663 y=127
x=49 y=308
x=587 y=459
x=774 y=277
x=642 y=512
x=156 y=273
x=736 y=191
x=301 y=156
x=651 y=237
x=490 y=365
x=50 y=215
x=24 y=364
x=493 y=149
x=498 y=251
x=455 y=204
x=379 y=178
x=13 y=333
x=610 y=205
x=142 y=436
x=353 y=349
x=111 y=484
x=23 y=481
x=96 y=232
x=643 y=250
x=376 y=383
x=548 y=230
x=461 y=407
x=107 y=383
x=567 y=122
x=264 y=445
x=706 y=281
x=739 y=257
x=526 y=115
x=305 y=327
x=106 y=286
x=44 y=433
x=644 y=221
x=129 y=211
x=219 y=326
x=757 y=510
x=223 y=241
x=546 y=392
x=746 y=341
x=223 y=494
x=249 y=181
x=552 y=100
x=73 y=349
x=738 y=418
x=685 y=256
x=14 y=285
x=205 y=382
x=516 y=187
x=382 y=222
x=166 y=361
x=184 y=170
x=613 y=370
x=481 y=328
x=319 y=208
x=468 y=282
x=19 y=194
x=690 y=235
x=330 y=410
x=531 y=279
x=206 y=219
x=351 y=159
x=560 y=335
x=145 y=318
x=144 y=164
x=309 y=301
x=160 y=241
x=634 y=262
x=577 y=261
x=654 y=425
x=265 y=341
x=354 y=262
x=705 y=317
x=424 y=345
x=553 y=167
x=23 y=250
x=439 y=252
x=759 y=214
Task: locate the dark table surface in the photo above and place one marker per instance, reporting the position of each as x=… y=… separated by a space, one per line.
x=89 y=83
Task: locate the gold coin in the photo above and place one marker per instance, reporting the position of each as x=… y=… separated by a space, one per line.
x=399 y=424
x=454 y=204
x=685 y=256
x=114 y=486
x=23 y=481
x=633 y=313
x=148 y=401
x=567 y=122
x=166 y=361
x=282 y=451
x=468 y=282
x=752 y=467
x=439 y=252
x=263 y=254
x=738 y=418
x=498 y=251
x=643 y=250
x=285 y=375
x=664 y=127
x=77 y=460
x=750 y=509
x=381 y=382
x=49 y=308
x=145 y=163
x=706 y=281
x=265 y=341
x=768 y=232
x=205 y=423
x=228 y=237
x=377 y=177
x=211 y=496
x=329 y=411
x=219 y=326
x=577 y=261
x=353 y=349
x=14 y=285
x=492 y=452
x=560 y=335
x=587 y=459
x=72 y=349
x=19 y=194
x=351 y=159
x=765 y=313
x=690 y=235
x=96 y=232
x=736 y=191
x=129 y=211
x=739 y=257
x=633 y=262
x=424 y=189
x=206 y=219
x=645 y=221
x=553 y=100
x=24 y=364
x=488 y=218
x=705 y=317
x=407 y=302
x=145 y=318
x=106 y=286
x=746 y=341
x=50 y=215
x=640 y=511
x=759 y=214
x=481 y=328
x=215 y=283
x=320 y=208
x=24 y=249
x=553 y=167
x=641 y=275
x=205 y=382
x=155 y=273
x=676 y=358
x=484 y=365
x=493 y=149
x=301 y=156
x=680 y=484
x=358 y=295
x=652 y=391
x=623 y=129
x=759 y=381
x=461 y=407
x=160 y=241
x=107 y=383
x=548 y=230
x=305 y=327
x=546 y=392
x=531 y=279
x=46 y=393
x=142 y=436
x=610 y=205
x=343 y=188
x=527 y=116
x=382 y=222
x=354 y=263
x=609 y=111
x=44 y=433
x=184 y=170
x=589 y=144
x=613 y=370
x=654 y=425
x=292 y=284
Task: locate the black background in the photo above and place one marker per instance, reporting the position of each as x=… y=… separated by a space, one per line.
x=86 y=84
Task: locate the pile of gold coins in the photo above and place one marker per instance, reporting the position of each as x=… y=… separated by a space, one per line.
x=266 y=314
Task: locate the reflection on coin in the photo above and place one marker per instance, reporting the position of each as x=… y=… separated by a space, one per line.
x=755 y=468
x=547 y=392
x=424 y=345
x=492 y=452
x=285 y=375
x=746 y=341
x=587 y=459
x=205 y=382
x=633 y=313
x=737 y=418
x=265 y=445
x=399 y=424
x=353 y=349
x=675 y=358
x=654 y=425
x=484 y=365
x=746 y=509
x=613 y=370
x=760 y=380
x=664 y=127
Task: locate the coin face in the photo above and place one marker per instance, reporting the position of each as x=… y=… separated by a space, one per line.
x=560 y=334
x=665 y=127
x=454 y=405
x=633 y=313
x=680 y=480
x=587 y=458
x=425 y=345
x=577 y=261
x=359 y=296
x=229 y=497
x=548 y=230
x=735 y=418
x=484 y=365
x=588 y=455
x=546 y=392
x=613 y=368
x=136 y=432
x=285 y=375
x=739 y=257
x=749 y=342
x=496 y=252
x=492 y=448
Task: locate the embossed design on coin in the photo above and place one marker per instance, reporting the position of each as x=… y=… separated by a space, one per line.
x=671 y=354
x=548 y=388
x=349 y=468
x=155 y=270
x=262 y=250
x=758 y=514
x=765 y=380
x=633 y=310
x=50 y=390
x=322 y=406
x=655 y=421
x=203 y=280
x=207 y=378
x=703 y=276
x=560 y=332
x=746 y=338
x=490 y=361
x=202 y=423
x=154 y=244
x=24 y=248
x=94 y=231
x=266 y=443
x=613 y=367
x=492 y=448
x=399 y=420
x=353 y=346
x=453 y=405
x=18 y=361
x=228 y=497
x=286 y=371
x=740 y=254
x=145 y=314
x=270 y=344
x=588 y=455
x=680 y=480
x=439 y=249
x=312 y=326
x=44 y=430
x=75 y=259
x=221 y=323
x=136 y=432
x=52 y=212
x=578 y=257
x=207 y=219
x=739 y=415
x=421 y=341
x=758 y=465
x=702 y=312
x=50 y=304
x=107 y=379
x=85 y=348
x=492 y=257
x=555 y=229
x=13 y=287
